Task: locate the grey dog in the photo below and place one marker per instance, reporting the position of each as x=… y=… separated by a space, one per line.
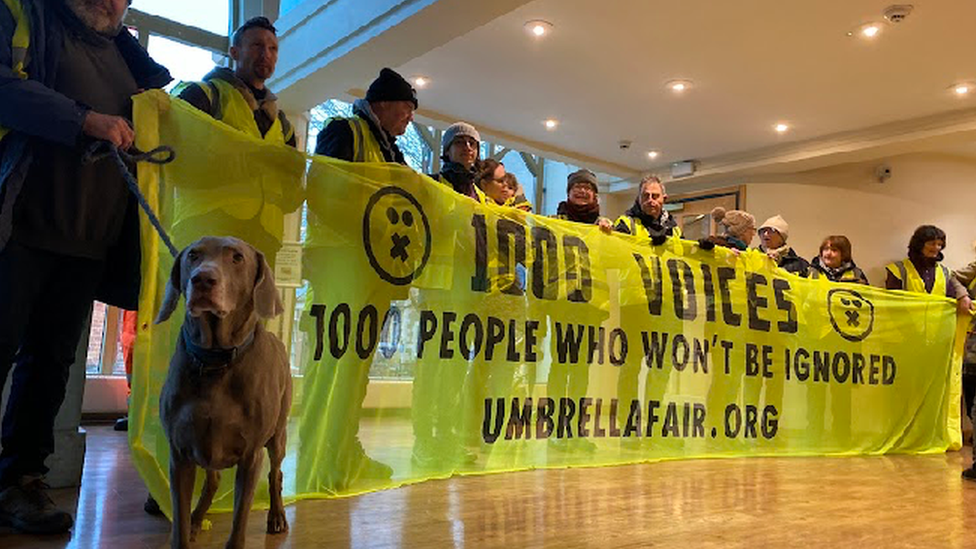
x=228 y=392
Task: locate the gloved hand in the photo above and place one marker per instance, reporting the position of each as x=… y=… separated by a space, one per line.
x=706 y=244
x=658 y=239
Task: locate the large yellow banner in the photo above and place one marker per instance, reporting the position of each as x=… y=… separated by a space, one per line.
x=511 y=341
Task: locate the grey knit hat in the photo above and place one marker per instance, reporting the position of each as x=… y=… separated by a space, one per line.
x=582 y=177
x=458 y=129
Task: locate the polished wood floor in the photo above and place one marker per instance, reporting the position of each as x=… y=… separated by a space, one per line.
x=895 y=501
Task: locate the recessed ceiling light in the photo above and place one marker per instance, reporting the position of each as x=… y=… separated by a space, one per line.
x=421 y=82
x=962 y=89
x=653 y=154
x=551 y=124
x=866 y=31
x=781 y=127
x=538 y=28
x=679 y=86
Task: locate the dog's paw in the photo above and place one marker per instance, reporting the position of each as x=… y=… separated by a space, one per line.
x=277 y=523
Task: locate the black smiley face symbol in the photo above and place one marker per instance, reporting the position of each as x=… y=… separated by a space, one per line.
x=400 y=243
x=851 y=315
x=396 y=235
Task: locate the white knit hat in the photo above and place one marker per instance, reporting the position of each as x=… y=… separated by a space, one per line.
x=778 y=224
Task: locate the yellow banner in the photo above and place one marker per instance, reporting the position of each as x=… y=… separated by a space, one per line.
x=500 y=340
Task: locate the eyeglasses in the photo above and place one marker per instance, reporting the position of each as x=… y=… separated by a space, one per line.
x=466 y=142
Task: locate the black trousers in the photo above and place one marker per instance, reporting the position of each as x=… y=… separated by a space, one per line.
x=968 y=393
x=45 y=299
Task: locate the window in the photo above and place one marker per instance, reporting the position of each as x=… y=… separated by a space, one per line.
x=288 y=5
x=516 y=165
x=209 y=15
x=105 y=342
x=185 y=63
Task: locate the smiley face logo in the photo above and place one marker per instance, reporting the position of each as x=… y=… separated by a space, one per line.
x=396 y=235
x=851 y=314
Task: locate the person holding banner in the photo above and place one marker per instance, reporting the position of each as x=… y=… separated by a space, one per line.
x=500 y=186
x=967 y=276
x=491 y=180
x=582 y=203
x=647 y=217
x=69 y=231
x=737 y=228
x=369 y=136
x=378 y=119
x=461 y=147
x=239 y=97
x=774 y=232
x=519 y=201
x=835 y=263
x=922 y=271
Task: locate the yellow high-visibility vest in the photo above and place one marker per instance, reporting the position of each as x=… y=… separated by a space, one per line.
x=19 y=43
x=232 y=109
x=638 y=229
x=365 y=147
x=911 y=281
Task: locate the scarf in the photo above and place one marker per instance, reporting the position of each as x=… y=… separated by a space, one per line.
x=778 y=253
x=268 y=103
x=587 y=213
x=361 y=107
x=654 y=226
x=831 y=272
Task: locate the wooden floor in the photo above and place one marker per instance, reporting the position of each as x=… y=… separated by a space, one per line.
x=897 y=501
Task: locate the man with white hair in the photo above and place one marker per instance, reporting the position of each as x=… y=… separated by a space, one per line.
x=69 y=231
x=647 y=216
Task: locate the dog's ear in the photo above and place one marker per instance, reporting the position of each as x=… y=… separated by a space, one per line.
x=174 y=288
x=267 y=303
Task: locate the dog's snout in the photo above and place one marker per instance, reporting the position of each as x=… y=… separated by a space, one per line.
x=204 y=279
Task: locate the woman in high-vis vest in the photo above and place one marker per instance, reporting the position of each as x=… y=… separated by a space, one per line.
x=835 y=262
x=922 y=271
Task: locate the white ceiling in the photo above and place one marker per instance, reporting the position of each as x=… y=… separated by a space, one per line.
x=602 y=70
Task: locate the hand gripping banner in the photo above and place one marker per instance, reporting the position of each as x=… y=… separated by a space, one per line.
x=511 y=341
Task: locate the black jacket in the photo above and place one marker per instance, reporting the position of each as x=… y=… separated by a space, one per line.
x=336 y=139
x=36 y=113
x=793 y=263
x=847 y=272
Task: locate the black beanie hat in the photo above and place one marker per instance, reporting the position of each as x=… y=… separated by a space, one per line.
x=390 y=86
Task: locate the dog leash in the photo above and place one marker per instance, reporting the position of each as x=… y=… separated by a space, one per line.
x=163 y=154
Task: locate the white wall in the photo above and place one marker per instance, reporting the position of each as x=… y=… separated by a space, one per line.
x=878 y=218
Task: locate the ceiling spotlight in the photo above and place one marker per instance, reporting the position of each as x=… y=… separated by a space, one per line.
x=962 y=89
x=421 y=82
x=869 y=30
x=781 y=127
x=551 y=124
x=653 y=154
x=679 y=86
x=538 y=28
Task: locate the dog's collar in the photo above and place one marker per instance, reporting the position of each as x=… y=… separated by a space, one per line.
x=214 y=360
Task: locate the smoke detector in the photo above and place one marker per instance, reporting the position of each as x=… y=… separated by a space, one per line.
x=897 y=13
x=624 y=144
